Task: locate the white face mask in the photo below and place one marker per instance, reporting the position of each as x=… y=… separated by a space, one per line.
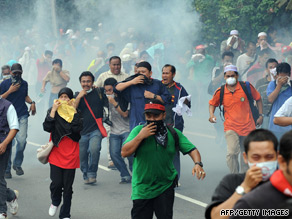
x=273 y=73
x=110 y=95
x=231 y=81
x=88 y=91
x=6 y=77
x=268 y=168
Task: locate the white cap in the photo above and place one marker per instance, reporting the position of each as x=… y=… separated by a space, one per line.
x=262 y=34
x=88 y=29
x=234 y=32
x=230 y=68
x=69 y=31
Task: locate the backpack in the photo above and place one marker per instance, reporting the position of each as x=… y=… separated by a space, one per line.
x=246 y=88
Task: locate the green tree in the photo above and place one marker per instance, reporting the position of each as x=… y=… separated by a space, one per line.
x=248 y=16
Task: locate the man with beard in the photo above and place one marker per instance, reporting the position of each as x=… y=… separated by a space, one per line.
x=58 y=78
x=15 y=90
x=154 y=176
x=138 y=88
x=239 y=120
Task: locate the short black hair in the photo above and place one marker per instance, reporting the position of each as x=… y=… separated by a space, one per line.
x=251 y=43
x=227 y=53
x=86 y=73
x=263 y=52
x=4 y=67
x=260 y=135
x=284 y=67
x=114 y=57
x=271 y=61
x=286 y=146
x=110 y=81
x=172 y=68
x=48 y=52
x=110 y=44
x=143 y=52
x=58 y=61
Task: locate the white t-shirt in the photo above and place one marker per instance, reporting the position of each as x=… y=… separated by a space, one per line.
x=243 y=61
x=286 y=109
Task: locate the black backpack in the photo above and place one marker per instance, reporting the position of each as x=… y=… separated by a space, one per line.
x=246 y=88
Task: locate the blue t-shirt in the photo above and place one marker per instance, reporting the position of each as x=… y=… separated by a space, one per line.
x=280 y=100
x=17 y=98
x=135 y=95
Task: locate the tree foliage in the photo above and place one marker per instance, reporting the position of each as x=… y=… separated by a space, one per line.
x=249 y=17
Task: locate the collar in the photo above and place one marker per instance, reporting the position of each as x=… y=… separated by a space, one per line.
x=237 y=87
x=279 y=181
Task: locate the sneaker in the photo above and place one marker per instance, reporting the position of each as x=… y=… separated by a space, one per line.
x=52 y=210
x=8 y=175
x=86 y=181
x=125 y=180
x=13 y=205
x=3 y=216
x=91 y=180
x=19 y=170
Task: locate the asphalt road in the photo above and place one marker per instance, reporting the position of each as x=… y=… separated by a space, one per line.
x=109 y=199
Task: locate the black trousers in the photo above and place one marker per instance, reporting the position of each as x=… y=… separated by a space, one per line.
x=62 y=181
x=161 y=205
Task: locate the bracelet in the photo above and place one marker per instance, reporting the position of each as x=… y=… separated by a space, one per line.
x=117 y=106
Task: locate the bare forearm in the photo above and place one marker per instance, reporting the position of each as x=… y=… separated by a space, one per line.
x=228 y=204
x=273 y=96
x=211 y=110
x=123 y=86
x=64 y=76
x=283 y=121
x=53 y=113
x=10 y=136
x=260 y=106
x=5 y=95
x=130 y=147
x=195 y=155
x=28 y=99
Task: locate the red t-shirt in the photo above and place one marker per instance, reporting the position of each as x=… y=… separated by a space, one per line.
x=66 y=155
x=43 y=69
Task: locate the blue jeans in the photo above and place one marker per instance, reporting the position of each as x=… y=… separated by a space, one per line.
x=89 y=151
x=116 y=143
x=20 y=143
x=5 y=193
x=52 y=98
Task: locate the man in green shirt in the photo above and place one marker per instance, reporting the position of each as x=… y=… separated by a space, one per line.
x=154 y=176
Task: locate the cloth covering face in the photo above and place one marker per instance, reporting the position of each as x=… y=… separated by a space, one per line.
x=66 y=111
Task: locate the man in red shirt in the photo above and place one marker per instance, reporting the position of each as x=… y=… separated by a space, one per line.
x=239 y=120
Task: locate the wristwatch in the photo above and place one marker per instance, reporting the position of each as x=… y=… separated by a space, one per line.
x=32 y=102
x=199 y=163
x=155 y=96
x=263 y=115
x=239 y=190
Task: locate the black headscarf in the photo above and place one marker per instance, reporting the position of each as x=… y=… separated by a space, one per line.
x=66 y=90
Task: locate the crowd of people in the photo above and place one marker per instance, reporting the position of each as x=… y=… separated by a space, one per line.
x=128 y=95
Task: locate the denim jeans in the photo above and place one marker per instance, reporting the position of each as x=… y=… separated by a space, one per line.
x=52 y=98
x=116 y=142
x=89 y=151
x=5 y=193
x=20 y=143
